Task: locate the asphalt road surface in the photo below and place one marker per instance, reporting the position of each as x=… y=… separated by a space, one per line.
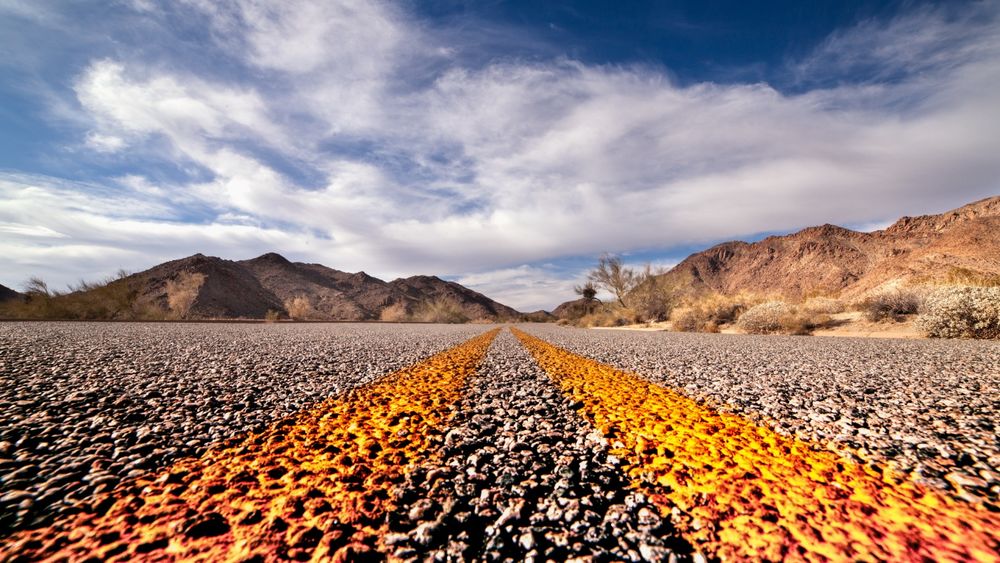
x=316 y=442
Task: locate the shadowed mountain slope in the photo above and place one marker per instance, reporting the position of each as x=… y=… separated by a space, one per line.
x=7 y=294
x=208 y=287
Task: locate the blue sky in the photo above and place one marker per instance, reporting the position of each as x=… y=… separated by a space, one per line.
x=504 y=145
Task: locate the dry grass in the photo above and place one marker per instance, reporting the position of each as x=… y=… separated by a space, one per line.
x=115 y=298
x=441 y=310
x=711 y=312
x=299 y=308
x=395 y=313
x=181 y=293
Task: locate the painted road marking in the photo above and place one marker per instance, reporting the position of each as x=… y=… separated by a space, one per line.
x=749 y=493
x=315 y=486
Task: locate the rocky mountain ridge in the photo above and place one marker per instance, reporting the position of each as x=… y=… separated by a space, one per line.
x=210 y=287
x=833 y=260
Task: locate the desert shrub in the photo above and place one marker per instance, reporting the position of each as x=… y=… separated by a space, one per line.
x=765 y=318
x=272 y=316
x=114 y=298
x=824 y=305
x=962 y=312
x=709 y=313
x=653 y=298
x=778 y=317
x=689 y=319
x=890 y=304
x=182 y=291
x=608 y=316
x=299 y=308
x=395 y=313
x=441 y=310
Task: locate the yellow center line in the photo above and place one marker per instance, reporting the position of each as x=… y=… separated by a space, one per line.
x=747 y=492
x=315 y=486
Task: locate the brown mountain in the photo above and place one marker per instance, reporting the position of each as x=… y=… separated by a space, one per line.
x=209 y=287
x=573 y=309
x=419 y=289
x=833 y=260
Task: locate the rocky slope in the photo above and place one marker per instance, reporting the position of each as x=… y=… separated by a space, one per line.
x=833 y=260
x=222 y=288
x=7 y=293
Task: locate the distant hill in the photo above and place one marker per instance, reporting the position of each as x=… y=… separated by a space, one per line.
x=209 y=287
x=571 y=309
x=6 y=293
x=833 y=260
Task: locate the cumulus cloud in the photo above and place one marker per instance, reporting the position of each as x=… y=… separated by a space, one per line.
x=350 y=134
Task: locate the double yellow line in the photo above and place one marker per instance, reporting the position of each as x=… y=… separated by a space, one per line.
x=316 y=486
x=745 y=492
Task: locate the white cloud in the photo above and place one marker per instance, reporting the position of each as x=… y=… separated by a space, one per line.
x=351 y=136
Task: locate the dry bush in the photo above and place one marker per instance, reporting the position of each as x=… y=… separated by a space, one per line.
x=778 y=317
x=114 y=298
x=653 y=298
x=764 y=318
x=962 y=312
x=299 y=308
x=893 y=304
x=182 y=291
x=441 y=310
x=824 y=306
x=710 y=312
x=395 y=313
x=607 y=316
x=272 y=316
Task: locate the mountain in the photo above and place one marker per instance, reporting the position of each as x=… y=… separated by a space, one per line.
x=832 y=260
x=572 y=309
x=208 y=287
x=227 y=289
x=7 y=294
x=417 y=289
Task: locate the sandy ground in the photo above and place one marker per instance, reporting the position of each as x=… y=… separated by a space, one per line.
x=851 y=324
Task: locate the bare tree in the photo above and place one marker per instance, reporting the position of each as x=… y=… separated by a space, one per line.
x=612 y=275
x=589 y=293
x=37 y=287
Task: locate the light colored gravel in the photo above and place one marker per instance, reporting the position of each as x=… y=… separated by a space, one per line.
x=84 y=406
x=931 y=407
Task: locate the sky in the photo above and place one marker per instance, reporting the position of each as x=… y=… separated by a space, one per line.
x=503 y=145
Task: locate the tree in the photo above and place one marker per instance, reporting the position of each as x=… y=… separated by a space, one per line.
x=589 y=293
x=612 y=275
x=36 y=287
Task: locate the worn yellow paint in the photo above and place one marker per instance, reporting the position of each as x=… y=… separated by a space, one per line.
x=746 y=492
x=315 y=486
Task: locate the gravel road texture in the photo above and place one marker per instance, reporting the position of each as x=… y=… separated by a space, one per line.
x=477 y=448
x=930 y=407
x=522 y=477
x=84 y=406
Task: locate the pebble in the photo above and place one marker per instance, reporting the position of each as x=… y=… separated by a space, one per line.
x=926 y=407
x=85 y=405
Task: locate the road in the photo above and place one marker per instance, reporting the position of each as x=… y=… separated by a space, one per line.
x=413 y=442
